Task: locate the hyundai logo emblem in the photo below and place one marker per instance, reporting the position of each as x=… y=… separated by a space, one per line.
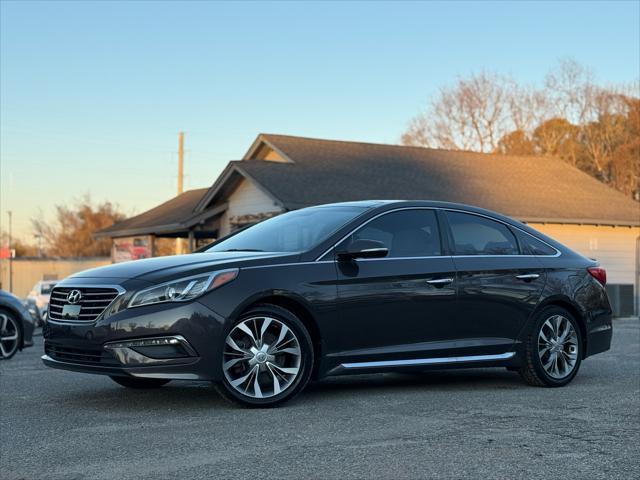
x=74 y=296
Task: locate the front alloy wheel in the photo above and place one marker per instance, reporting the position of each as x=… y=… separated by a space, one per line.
x=267 y=357
x=9 y=335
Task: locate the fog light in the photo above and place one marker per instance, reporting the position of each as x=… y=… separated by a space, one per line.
x=147 y=342
x=150 y=350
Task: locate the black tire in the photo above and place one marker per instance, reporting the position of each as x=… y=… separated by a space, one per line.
x=306 y=361
x=140 y=383
x=533 y=371
x=13 y=326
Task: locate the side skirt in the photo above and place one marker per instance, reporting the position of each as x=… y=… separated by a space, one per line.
x=461 y=361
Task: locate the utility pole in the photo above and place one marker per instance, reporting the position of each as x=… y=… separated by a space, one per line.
x=180 y=162
x=10 y=255
x=38 y=237
x=179 y=241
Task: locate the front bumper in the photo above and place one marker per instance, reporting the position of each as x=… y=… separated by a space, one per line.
x=185 y=371
x=104 y=347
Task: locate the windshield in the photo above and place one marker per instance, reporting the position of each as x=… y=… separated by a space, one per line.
x=296 y=231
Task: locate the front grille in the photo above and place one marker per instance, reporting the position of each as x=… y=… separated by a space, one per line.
x=79 y=355
x=93 y=302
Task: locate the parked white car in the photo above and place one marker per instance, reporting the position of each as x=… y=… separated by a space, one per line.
x=37 y=301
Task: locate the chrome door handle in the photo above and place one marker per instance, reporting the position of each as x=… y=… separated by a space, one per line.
x=440 y=281
x=528 y=276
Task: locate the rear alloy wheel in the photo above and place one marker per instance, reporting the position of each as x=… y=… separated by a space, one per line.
x=267 y=357
x=554 y=349
x=10 y=335
x=140 y=383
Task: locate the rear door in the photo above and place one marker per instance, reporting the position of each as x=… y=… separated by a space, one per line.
x=400 y=306
x=498 y=283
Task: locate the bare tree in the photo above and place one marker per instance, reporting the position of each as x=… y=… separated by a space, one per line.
x=625 y=163
x=570 y=88
x=602 y=136
x=21 y=248
x=594 y=128
x=473 y=115
x=71 y=235
x=528 y=108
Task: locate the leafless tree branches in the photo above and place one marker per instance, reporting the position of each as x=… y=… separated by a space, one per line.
x=594 y=128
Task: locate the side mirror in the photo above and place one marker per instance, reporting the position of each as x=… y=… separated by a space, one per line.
x=363 y=249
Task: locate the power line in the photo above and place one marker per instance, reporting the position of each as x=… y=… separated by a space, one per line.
x=74 y=138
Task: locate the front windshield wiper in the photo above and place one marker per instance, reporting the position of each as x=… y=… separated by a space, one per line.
x=242 y=250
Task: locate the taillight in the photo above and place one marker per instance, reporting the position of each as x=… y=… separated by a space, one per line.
x=599 y=273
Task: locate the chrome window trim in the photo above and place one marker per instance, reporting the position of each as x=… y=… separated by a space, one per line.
x=370 y=220
x=428 y=361
x=286 y=264
x=443 y=256
x=401 y=258
x=557 y=254
x=394 y=258
x=121 y=291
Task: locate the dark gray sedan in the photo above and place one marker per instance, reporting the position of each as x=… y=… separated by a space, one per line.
x=340 y=289
x=16 y=325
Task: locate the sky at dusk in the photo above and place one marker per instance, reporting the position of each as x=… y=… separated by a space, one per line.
x=93 y=94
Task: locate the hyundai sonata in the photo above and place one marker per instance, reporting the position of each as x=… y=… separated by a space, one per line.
x=357 y=287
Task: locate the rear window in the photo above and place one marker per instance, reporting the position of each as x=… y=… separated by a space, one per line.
x=533 y=246
x=475 y=235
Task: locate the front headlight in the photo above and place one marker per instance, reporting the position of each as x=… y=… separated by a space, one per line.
x=183 y=289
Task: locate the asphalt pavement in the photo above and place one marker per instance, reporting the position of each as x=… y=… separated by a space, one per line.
x=476 y=424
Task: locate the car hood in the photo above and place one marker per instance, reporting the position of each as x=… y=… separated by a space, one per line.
x=158 y=269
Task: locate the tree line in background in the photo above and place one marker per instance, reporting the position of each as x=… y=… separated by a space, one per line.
x=592 y=127
x=70 y=234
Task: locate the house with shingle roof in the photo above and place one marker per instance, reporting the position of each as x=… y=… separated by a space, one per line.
x=280 y=173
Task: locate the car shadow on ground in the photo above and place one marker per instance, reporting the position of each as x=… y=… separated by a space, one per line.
x=441 y=380
x=195 y=396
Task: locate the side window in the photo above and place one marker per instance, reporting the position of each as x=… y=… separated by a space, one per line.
x=406 y=233
x=475 y=235
x=533 y=246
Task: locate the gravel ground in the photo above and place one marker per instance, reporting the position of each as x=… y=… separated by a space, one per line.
x=453 y=424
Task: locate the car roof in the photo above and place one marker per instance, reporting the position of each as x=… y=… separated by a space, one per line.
x=376 y=207
x=356 y=203
x=387 y=205
x=418 y=203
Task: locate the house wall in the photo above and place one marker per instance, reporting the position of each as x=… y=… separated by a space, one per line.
x=247 y=203
x=616 y=248
x=267 y=153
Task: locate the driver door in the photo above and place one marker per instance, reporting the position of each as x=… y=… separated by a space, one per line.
x=399 y=306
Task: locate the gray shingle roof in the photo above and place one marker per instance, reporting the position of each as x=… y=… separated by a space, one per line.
x=526 y=188
x=172 y=215
x=530 y=189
